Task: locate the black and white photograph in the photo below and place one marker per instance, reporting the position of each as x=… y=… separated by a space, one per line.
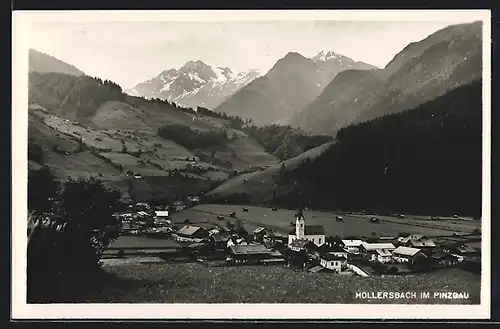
x=251 y=164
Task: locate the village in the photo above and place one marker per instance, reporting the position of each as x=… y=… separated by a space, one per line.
x=306 y=247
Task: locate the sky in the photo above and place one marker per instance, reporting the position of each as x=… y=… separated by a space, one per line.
x=132 y=52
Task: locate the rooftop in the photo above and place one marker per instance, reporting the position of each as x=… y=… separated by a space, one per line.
x=406 y=251
x=301 y=243
x=383 y=252
x=249 y=249
x=188 y=230
x=329 y=257
x=375 y=246
x=352 y=243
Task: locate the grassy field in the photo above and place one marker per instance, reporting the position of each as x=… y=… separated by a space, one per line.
x=196 y=283
x=353 y=225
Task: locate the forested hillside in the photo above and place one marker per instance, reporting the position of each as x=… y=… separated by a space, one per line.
x=285 y=142
x=425 y=160
x=71 y=96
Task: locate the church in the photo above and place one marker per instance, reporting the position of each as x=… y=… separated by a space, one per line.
x=313 y=233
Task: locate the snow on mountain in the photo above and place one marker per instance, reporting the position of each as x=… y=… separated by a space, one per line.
x=194 y=84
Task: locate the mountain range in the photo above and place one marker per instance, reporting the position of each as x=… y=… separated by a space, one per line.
x=422 y=71
x=194 y=84
x=292 y=83
x=325 y=94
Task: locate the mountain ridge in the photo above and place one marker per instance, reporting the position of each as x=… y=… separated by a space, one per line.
x=194 y=84
x=292 y=83
x=420 y=72
x=44 y=63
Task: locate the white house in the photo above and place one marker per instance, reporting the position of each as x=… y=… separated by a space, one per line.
x=333 y=262
x=352 y=246
x=381 y=252
x=404 y=254
x=161 y=213
x=313 y=233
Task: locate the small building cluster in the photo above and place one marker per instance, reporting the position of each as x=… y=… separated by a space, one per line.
x=307 y=246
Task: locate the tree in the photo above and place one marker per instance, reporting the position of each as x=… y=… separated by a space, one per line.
x=69 y=240
x=88 y=207
x=42 y=190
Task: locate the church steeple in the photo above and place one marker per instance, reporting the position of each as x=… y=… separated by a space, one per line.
x=300 y=224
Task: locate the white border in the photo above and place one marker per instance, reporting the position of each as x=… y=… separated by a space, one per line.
x=21 y=310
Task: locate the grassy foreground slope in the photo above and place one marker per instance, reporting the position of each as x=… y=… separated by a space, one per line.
x=196 y=283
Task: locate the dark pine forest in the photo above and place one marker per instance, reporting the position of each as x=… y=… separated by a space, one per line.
x=423 y=161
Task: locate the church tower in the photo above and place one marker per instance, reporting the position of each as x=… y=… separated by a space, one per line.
x=300 y=224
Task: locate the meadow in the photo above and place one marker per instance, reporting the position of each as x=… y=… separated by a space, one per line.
x=196 y=283
x=352 y=225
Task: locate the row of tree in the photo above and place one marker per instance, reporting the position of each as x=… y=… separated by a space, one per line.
x=193 y=139
x=285 y=142
x=427 y=160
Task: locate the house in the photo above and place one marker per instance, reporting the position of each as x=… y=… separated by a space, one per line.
x=313 y=233
x=161 y=213
x=383 y=255
x=235 y=241
x=333 y=262
x=417 y=241
x=191 y=233
x=258 y=234
x=381 y=252
x=442 y=258
x=302 y=245
x=332 y=249
x=248 y=253
x=404 y=254
x=462 y=251
x=352 y=246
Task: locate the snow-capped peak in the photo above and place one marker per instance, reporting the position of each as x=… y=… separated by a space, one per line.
x=195 y=84
x=324 y=56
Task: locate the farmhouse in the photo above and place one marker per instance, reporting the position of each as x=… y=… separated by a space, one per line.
x=352 y=246
x=302 y=245
x=333 y=262
x=417 y=241
x=191 y=233
x=377 y=251
x=404 y=254
x=236 y=241
x=334 y=250
x=248 y=253
x=313 y=233
x=161 y=213
x=462 y=252
x=258 y=233
x=444 y=259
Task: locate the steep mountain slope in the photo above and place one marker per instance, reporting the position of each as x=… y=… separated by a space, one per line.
x=258 y=187
x=195 y=84
x=292 y=83
x=422 y=71
x=339 y=103
x=331 y=63
x=43 y=63
x=86 y=126
x=424 y=160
